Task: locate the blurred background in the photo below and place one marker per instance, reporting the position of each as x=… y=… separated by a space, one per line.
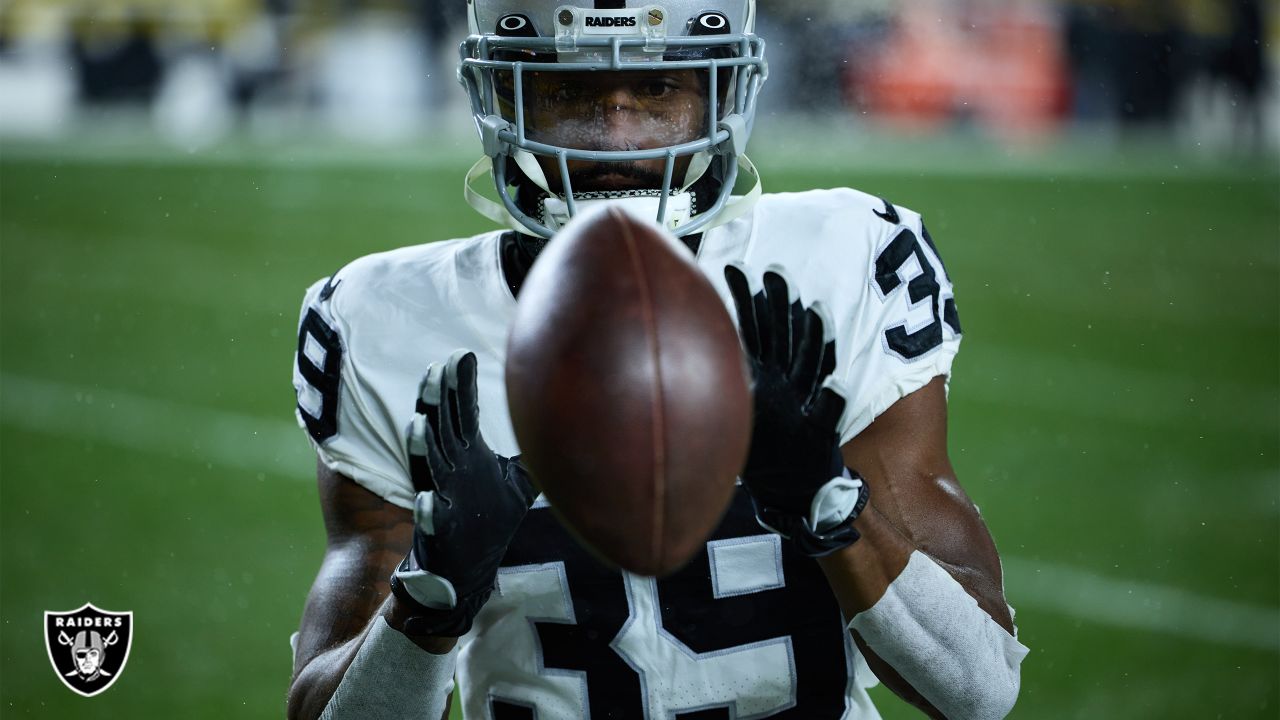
x=198 y=72
x=1102 y=176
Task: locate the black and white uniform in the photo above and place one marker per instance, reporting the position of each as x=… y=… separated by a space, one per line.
x=749 y=629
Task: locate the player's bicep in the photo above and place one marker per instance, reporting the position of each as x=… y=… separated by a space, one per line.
x=903 y=457
x=366 y=538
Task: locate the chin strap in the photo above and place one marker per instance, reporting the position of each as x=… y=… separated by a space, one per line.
x=679 y=205
x=642 y=203
x=483 y=205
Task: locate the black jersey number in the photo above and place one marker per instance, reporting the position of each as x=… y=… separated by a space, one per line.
x=923 y=286
x=699 y=613
x=320 y=363
x=701 y=628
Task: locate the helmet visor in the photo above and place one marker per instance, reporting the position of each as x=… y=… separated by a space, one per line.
x=610 y=111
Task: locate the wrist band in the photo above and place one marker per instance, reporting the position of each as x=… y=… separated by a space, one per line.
x=936 y=637
x=391 y=677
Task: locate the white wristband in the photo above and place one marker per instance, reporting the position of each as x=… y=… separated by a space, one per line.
x=834 y=502
x=391 y=677
x=936 y=637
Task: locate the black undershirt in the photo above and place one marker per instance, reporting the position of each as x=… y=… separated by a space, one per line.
x=518 y=251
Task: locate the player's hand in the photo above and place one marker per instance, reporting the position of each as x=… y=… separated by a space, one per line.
x=794 y=471
x=469 y=504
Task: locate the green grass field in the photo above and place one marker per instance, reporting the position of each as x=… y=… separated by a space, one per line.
x=1115 y=413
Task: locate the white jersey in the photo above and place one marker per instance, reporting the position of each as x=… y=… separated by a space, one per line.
x=749 y=628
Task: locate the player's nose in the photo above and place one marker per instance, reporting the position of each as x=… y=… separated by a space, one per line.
x=619 y=111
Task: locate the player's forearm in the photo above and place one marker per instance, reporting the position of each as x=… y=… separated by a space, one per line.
x=860 y=573
x=921 y=627
x=315 y=685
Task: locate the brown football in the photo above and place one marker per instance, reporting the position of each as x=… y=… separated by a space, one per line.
x=628 y=392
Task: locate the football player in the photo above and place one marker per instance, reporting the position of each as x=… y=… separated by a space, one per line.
x=850 y=554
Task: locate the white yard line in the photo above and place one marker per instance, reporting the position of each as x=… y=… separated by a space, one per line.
x=1145 y=606
x=1013 y=377
x=183 y=432
x=256 y=445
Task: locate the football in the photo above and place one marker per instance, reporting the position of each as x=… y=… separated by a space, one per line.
x=628 y=391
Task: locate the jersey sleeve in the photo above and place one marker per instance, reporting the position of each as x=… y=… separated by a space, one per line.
x=906 y=330
x=352 y=430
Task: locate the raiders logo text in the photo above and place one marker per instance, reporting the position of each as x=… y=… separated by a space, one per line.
x=607 y=22
x=88 y=622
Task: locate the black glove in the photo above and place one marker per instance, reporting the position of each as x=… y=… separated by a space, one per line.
x=795 y=448
x=469 y=505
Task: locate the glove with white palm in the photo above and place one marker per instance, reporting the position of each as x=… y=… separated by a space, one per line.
x=795 y=474
x=470 y=503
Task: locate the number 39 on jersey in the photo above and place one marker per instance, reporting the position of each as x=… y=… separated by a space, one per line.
x=930 y=308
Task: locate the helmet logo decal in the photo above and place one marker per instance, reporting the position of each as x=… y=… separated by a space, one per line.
x=515 y=25
x=512 y=23
x=713 y=21
x=88 y=647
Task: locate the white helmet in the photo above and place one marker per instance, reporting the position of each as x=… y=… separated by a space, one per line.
x=512 y=41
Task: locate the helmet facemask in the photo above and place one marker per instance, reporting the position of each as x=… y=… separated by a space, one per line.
x=631 y=110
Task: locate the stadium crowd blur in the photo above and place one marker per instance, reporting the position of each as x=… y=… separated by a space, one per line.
x=383 y=69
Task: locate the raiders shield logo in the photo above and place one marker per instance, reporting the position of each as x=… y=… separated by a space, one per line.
x=88 y=647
